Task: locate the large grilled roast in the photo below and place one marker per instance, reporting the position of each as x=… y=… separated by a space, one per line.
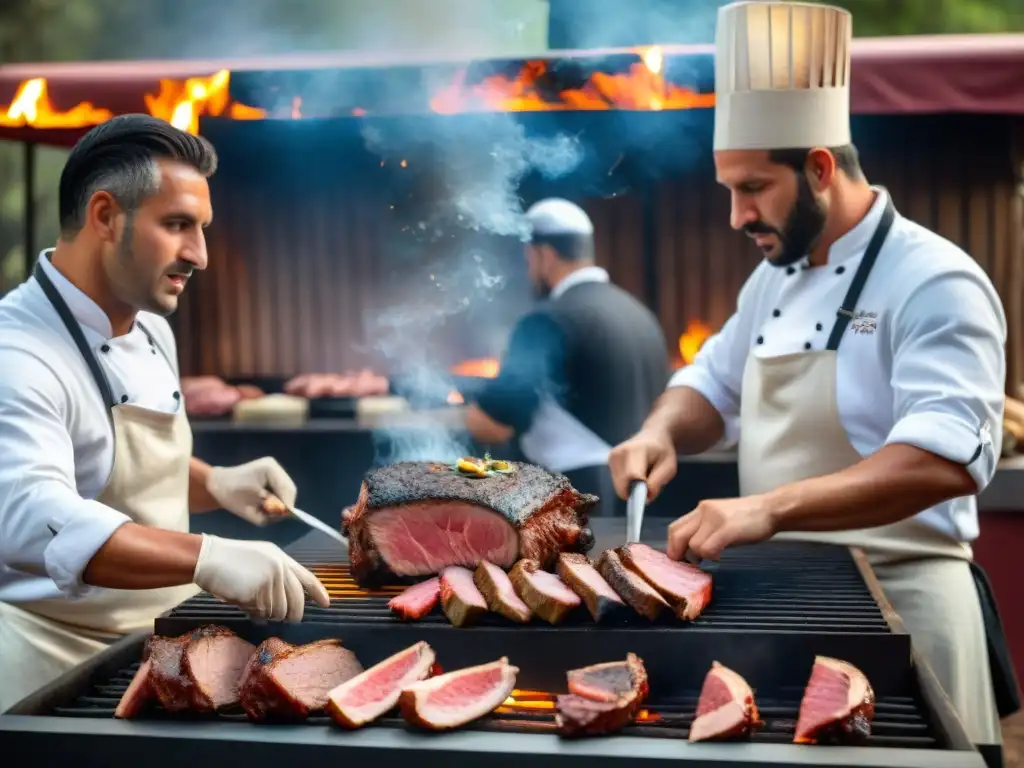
x=414 y=519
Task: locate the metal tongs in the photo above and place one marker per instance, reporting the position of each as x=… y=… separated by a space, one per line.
x=635 y=505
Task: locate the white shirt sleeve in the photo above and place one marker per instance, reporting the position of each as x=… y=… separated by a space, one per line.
x=46 y=527
x=717 y=370
x=949 y=372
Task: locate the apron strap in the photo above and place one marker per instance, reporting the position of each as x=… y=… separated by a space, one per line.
x=846 y=311
x=76 y=334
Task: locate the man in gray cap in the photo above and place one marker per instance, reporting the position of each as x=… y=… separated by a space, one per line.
x=582 y=370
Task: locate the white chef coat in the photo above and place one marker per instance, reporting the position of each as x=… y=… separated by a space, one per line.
x=932 y=374
x=56 y=438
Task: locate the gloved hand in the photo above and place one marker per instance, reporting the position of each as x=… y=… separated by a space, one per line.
x=257 y=577
x=242 y=489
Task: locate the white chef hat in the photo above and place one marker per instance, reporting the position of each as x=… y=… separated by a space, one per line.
x=782 y=76
x=556 y=216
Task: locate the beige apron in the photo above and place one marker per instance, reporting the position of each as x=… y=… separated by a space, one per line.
x=41 y=640
x=790 y=430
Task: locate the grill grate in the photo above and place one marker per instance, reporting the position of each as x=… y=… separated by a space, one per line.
x=898 y=722
x=778 y=586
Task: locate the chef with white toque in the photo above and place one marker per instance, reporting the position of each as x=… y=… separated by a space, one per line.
x=97 y=477
x=863 y=369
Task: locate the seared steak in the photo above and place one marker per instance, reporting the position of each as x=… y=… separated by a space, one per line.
x=370 y=694
x=726 y=707
x=213 y=661
x=417 y=518
x=838 y=704
x=456 y=698
x=685 y=587
x=137 y=695
x=582 y=577
x=602 y=698
x=460 y=599
x=545 y=594
x=496 y=587
x=640 y=595
x=418 y=600
x=167 y=679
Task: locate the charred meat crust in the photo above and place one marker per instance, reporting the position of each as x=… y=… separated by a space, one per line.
x=549 y=514
x=578 y=715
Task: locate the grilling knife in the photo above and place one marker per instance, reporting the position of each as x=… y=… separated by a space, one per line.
x=274 y=506
x=635 y=511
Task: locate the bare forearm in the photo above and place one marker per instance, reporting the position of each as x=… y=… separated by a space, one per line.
x=199 y=499
x=137 y=557
x=893 y=484
x=692 y=422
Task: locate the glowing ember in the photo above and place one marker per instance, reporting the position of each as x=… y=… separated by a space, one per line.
x=692 y=339
x=482 y=369
x=525 y=701
x=179 y=102
x=642 y=88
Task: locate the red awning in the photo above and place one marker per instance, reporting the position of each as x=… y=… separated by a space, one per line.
x=980 y=74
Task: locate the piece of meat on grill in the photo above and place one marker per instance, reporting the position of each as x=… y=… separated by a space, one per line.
x=837 y=706
x=602 y=698
x=370 y=694
x=685 y=587
x=418 y=600
x=214 y=660
x=167 y=679
x=456 y=698
x=582 y=577
x=496 y=587
x=726 y=707
x=295 y=682
x=256 y=694
x=630 y=586
x=461 y=601
x=545 y=593
x=137 y=695
x=416 y=518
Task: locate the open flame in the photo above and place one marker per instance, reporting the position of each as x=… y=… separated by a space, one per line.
x=526 y=701
x=642 y=88
x=692 y=339
x=179 y=102
x=486 y=368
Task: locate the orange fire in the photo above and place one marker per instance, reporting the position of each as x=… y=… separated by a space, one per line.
x=642 y=88
x=486 y=368
x=524 y=701
x=179 y=102
x=692 y=339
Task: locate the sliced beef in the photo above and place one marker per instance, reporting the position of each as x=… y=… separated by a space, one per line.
x=545 y=594
x=418 y=600
x=582 y=577
x=456 y=698
x=258 y=696
x=417 y=518
x=167 y=679
x=726 y=707
x=137 y=695
x=461 y=601
x=602 y=698
x=685 y=587
x=496 y=587
x=838 y=704
x=638 y=594
x=294 y=683
x=370 y=694
x=214 y=660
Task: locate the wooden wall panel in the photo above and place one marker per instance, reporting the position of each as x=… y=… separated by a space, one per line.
x=299 y=275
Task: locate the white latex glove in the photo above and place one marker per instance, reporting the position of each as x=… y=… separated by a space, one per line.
x=257 y=577
x=242 y=489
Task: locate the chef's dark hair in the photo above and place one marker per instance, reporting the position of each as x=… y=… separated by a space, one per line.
x=119 y=157
x=847 y=159
x=568 y=247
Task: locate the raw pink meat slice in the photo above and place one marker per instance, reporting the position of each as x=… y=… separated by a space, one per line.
x=370 y=694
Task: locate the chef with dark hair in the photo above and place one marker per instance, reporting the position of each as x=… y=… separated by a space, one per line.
x=583 y=368
x=864 y=364
x=97 y=476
